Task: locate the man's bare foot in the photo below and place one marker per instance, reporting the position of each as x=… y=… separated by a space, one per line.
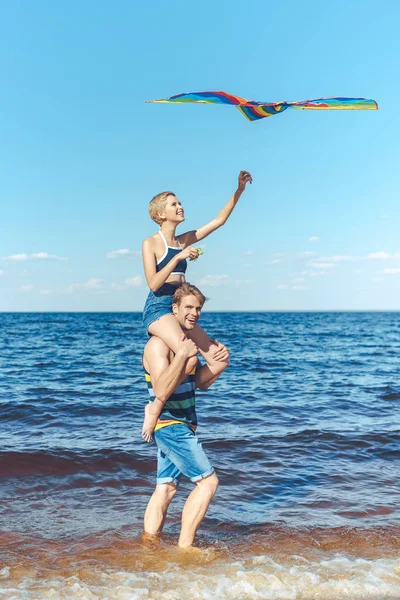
x=148 y=424
x=190 y=550
x=150 y=541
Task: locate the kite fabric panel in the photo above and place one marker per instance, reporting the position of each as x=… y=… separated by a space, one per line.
x=253 y=110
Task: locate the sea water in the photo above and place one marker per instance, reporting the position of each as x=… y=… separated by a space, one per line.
x=303 y=431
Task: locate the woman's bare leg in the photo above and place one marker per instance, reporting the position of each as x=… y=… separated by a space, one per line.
x=168 y=329
x=205 y=345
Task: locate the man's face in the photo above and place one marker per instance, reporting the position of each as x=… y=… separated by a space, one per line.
x=187 y=312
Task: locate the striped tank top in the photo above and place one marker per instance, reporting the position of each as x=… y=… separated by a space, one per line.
x=180 y=406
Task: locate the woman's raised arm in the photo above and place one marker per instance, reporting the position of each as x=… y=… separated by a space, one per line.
x=191 y=237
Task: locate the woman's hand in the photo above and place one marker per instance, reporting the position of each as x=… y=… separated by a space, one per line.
x=244 y=178
x=189 y=252
x=222 y=353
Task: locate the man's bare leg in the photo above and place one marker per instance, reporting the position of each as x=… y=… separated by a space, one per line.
x=157 y=507
x=195 y=508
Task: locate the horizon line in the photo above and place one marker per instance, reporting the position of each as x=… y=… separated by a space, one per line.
x=318 y=310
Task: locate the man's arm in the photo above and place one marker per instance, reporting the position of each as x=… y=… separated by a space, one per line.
x=166 y=375
x=209 y=373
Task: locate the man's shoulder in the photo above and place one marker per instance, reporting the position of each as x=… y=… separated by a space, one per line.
x=155 y=346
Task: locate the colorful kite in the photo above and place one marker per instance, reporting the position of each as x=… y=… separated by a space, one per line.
x=253 y=110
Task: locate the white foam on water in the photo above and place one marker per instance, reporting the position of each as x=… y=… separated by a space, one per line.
x=255 y=578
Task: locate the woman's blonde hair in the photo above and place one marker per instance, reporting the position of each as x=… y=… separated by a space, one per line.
x=157 y=205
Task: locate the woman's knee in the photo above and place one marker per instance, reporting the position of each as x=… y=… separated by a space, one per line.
x=168 y=329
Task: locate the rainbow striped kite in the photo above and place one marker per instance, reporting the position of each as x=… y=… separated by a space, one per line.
x=253 y=110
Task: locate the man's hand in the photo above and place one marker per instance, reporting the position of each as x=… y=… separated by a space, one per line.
x=186 y=347
x=244 y=178
x=222 y=353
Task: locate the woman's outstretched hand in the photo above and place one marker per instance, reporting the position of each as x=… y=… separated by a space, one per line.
x=244 y=178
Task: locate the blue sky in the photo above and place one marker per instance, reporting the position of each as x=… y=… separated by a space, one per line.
x=81 y=154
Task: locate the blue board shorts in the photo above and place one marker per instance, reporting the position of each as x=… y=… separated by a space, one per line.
x=180 y=452
x=158 y=304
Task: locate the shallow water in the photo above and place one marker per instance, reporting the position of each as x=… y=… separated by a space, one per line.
x=303 y=430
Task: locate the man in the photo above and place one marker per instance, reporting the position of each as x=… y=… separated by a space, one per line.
x=172 y=414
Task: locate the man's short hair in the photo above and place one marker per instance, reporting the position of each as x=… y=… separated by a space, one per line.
x=157 y=205
x=187 y=289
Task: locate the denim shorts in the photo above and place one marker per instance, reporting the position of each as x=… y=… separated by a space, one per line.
x=180 y=452
x=158 y=304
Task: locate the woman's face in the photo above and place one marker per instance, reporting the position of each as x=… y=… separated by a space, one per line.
x=173 y=210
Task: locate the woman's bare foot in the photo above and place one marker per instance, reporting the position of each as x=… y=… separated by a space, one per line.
x=149 y=423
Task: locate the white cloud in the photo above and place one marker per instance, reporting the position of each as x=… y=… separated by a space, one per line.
x=47 y=256
x=45 y=292
x=26 y=288
x=272 y=262
x=37 y=256
x=391 y=271
x=243 y=282
x=1 y=273
x=91 y=284
x=299 y=288
x=350 y=258
x=247 y=253
x=383 y=256
x=306 y=254
x=314 y=238
x=17 y=257
x=338 y=258
x=214 y=280
x=316 y=265
x=298 y=280
x=293 y=288
x=134 y=281
x=122 y=252
x=377 y=279
x=302 y=256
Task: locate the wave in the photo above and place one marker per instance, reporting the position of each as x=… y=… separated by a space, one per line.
x=64 y=462
x=274 y=563
x=48 y=412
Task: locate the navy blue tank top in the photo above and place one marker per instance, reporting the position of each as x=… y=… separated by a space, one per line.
x=170 y=252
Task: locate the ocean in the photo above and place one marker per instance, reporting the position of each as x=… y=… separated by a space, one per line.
x=303 y=431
